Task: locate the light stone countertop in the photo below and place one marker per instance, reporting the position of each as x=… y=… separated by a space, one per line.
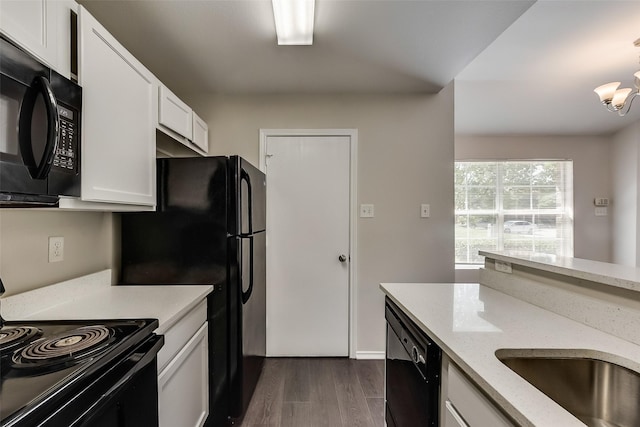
x=470 y=322
x=93 y=297
x=620 y=276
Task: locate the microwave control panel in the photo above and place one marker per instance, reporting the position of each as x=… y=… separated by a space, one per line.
x=66 y=157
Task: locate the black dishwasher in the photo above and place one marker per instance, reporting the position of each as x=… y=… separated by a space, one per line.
x=412 y=373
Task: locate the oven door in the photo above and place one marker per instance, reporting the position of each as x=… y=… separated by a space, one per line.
x=125 y=395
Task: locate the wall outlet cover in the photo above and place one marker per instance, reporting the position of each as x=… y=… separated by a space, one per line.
x=56 y=249
x=504 y=267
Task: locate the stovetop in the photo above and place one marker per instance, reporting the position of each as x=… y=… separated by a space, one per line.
x=43 y=362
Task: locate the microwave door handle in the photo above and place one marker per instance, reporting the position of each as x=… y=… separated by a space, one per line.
x=40 y=85
x=244 y=175
x=53 y=131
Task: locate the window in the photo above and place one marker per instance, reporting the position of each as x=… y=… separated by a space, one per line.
x=513 y=205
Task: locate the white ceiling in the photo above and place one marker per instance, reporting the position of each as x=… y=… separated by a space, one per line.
x=520 y=67
x=539 y=75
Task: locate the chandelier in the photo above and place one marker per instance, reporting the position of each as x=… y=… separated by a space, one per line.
x=619 y=100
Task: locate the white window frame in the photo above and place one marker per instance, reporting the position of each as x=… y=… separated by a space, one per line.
x=565 y=210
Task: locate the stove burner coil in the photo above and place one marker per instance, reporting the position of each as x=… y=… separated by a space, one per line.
x=12 y=336
x=70 y=345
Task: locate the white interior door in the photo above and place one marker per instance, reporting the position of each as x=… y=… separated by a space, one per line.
x=308 y=192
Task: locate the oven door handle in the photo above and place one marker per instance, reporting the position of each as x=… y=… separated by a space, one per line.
x=40 y=86
x=142 y=357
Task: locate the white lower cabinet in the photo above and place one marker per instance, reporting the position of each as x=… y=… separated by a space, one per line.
x=183 y=385
x=464 y=405
x=451 y=417
x=183 y=371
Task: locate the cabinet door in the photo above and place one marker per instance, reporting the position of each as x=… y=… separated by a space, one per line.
x=200 y=133
x=118 y=119
x=175 y=114
x=33 y=25
x=183 y=386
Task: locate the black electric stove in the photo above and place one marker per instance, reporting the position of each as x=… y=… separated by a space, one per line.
x=79 y=373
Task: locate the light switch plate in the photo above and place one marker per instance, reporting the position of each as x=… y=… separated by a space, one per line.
x=425 y=210
x=56 y=249
x=366 y=211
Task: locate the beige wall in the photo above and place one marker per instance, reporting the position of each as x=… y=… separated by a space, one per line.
x=591 y=178
x=405 y=158
x=24 y=234
x=625 y=176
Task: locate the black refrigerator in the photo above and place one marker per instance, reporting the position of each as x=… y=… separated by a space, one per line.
x=209 y=228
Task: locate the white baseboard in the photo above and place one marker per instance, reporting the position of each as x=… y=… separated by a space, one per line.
x=370 y=355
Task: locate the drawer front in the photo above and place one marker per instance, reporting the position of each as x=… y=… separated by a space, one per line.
x=470 y=403
x=178 y=335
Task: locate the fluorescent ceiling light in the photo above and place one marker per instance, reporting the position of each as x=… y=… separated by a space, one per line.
x=294 y=21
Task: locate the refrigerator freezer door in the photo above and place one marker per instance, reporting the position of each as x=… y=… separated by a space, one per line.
x=249 y=198
x=193 y=184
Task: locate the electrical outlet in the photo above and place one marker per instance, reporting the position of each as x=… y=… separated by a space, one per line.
x=366 y=211
x=504 y=267
x=425 y=210
x=56 y=249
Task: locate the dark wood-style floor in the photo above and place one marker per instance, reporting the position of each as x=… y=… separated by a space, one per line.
x=318 y=392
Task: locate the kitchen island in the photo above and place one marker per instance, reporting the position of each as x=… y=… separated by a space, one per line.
x=525 y=306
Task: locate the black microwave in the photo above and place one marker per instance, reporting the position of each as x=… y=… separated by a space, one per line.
x=39 y=131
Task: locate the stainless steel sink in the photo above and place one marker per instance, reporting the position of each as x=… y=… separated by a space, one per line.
x=597 y=392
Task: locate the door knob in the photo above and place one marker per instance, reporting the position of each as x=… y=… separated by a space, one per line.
x=342 y=258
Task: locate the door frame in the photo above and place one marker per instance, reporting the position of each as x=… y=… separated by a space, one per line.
x=352 y=134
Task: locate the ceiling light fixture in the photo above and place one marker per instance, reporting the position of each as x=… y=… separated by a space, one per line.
x=619 y=100
x=294 y=21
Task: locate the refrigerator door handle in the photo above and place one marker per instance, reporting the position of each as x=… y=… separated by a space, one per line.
x=246 y=295
x=244 y=175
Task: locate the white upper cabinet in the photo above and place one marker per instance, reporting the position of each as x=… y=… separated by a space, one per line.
x=188 y=133
x=200 y=133
x=33 y=25
x=42 y=28
x=119 y=116
x=175 y=114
